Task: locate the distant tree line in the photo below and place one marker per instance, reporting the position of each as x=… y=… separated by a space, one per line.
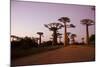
x=28 y=42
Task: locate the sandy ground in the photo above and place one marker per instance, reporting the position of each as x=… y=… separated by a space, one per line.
x=62 y=55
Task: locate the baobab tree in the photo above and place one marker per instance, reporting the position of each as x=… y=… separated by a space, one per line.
x=65 y=20
x=59 y=35
x=82 y=40
x=40 y=34
x=73 y=38
x=54 y=27
x=68 y=33
x=36 y=40
x=87 y=23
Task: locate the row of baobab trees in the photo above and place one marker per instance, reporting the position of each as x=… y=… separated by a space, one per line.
x=64 y=24
x=65 y=20
x=56 y=26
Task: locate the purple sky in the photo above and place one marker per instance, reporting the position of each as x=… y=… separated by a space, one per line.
x=28 y=18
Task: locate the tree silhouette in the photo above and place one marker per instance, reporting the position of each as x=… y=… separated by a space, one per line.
x=13 y=37
x=66 y=20
x=59 y=36
x=82 y=40
x=24 y=43
x=36 y=39
x=68 y=33
x=28 y=42
x=54 y=27
x=92 y=39
x=87 y=23
x=73 y=38
x=40 y=34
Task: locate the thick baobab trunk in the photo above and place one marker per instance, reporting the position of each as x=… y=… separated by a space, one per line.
x=40 y=40
x=87 y=35
x=68 y=40
x=54 y=37
x=59 y=39
x=65 y=35
x=36 y=40
x=82 y=40
x=73 y=40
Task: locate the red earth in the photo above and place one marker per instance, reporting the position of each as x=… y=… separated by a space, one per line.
x=63 y=55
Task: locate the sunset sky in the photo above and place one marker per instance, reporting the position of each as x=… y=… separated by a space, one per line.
x=28 y=18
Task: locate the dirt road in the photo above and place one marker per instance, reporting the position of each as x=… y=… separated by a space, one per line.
x=62 y=55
